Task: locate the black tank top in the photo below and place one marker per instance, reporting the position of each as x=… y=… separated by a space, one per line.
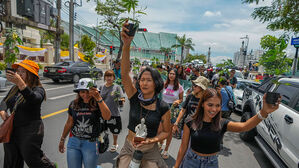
x=205 y=140
x=152 y=117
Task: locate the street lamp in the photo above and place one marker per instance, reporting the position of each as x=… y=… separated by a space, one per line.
x=246 y=48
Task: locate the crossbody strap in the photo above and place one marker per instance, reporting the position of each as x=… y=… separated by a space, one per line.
x=230 y=97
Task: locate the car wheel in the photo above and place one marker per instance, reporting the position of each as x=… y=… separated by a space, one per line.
x=76 y=78
x=248 y=135
x=55 y=80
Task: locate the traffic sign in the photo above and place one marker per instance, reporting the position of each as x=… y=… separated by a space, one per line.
x=295 y=41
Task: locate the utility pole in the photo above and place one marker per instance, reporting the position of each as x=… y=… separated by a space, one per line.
x=58 y=32
x=209 y=57
x=96 y=29
x=71 y=5
x=71 y=29
x=246 y=49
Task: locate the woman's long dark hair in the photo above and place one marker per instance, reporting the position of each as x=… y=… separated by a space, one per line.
x=176 y=80
x=199 y=114
x=33 y=81
x=92 y=103
x=182 y=74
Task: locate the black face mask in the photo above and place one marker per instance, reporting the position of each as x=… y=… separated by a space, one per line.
x=147 y=102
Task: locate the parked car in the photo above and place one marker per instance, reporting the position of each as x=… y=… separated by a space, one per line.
x=72 y=71
x=277 y=135
x=238 y=91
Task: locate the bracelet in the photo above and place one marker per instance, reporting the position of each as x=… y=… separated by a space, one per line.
x=260 y=116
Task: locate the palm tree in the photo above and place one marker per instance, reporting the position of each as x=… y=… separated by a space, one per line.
x=183 y=43
x=166 y=52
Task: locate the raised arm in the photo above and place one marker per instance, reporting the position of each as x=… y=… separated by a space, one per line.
x=125 y=63
x=255 y=120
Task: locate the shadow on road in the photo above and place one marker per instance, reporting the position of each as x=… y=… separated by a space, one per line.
x=259 y=155
x=108 y=157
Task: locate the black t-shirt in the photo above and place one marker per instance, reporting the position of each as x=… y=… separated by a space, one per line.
x=152 y=117
x=205 y=140
x=190 y=104
x=27 y=111
x=86 y=121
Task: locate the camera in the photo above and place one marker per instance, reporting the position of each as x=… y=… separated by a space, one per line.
x=10 y=69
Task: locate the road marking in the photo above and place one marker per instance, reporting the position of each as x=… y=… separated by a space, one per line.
x=59 y=87
x=58 y=97
x=55 y=113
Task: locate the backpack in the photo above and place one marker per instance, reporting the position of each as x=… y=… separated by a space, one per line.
x=230 y=104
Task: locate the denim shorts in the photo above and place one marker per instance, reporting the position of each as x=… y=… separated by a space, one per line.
x=192 y=160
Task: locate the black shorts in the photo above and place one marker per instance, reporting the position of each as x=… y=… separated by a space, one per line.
x=114 y=125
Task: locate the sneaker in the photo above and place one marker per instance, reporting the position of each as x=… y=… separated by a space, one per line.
x=165 y=155
x=113 y=148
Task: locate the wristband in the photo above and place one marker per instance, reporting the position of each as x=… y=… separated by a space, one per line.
x=260 y=116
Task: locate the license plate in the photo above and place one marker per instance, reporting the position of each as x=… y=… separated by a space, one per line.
x=52 y=70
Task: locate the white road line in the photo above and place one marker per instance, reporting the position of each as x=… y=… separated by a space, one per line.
x=58 y=97
x=59 y=87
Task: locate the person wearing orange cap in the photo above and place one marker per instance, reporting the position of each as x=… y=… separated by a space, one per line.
x=25 y=99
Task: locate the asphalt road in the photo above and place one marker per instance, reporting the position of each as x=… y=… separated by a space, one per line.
x=235 y=154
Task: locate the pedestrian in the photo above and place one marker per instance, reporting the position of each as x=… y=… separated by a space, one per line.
x=146 y=111
x=232 y=79
x=181 y=73
x=113 y=97
x=173 y=95
x=190 y=104
x=25 y=99
x=117 y=69
x=195 y=73
x=206 y=128
x=226 y=95
x=84 y=116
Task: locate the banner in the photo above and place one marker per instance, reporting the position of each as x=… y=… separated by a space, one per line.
x=31 y=51
x=64 y=55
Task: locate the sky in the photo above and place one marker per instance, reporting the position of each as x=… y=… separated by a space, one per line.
x=218 y=24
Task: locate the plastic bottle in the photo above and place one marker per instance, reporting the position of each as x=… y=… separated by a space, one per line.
x=136 y=161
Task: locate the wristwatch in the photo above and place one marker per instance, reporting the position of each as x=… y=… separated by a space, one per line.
x=100 y=101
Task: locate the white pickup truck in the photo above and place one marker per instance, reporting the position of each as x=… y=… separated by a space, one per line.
x=278 y=135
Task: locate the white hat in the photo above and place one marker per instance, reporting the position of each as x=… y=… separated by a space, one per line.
x=202 y=81
x=83 y=84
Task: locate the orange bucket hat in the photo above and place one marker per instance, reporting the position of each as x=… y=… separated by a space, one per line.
x=31 y=66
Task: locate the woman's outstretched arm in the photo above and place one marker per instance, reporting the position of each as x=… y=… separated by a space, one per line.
x=125 y=63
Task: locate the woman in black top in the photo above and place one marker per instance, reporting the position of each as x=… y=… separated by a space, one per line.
x=145 y=106
x=190 y=104
x=206 y=128
x=25 y=99
x=84 y=115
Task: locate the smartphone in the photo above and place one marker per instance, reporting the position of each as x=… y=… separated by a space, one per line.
x=10 y=69
x=272 y=98
x=138 y=139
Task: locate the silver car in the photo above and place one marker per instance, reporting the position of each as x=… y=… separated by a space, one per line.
x=238 y=91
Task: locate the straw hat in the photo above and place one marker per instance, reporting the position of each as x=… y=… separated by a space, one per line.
x=201 y=81
x=31 y=66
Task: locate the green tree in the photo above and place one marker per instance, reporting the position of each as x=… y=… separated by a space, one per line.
x=191 y=57
x=12 y=39
x=166 y=52
x=111 y=12
x=64 y=44
x=281 y=15
x=274 y=59
x=47 y=36
x=86 y=43
x=183 y=44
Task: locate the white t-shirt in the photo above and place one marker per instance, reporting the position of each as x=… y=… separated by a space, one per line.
x=169 y=95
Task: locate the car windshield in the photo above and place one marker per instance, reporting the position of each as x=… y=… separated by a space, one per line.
x=238 y=75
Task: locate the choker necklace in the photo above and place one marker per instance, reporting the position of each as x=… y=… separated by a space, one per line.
x=146 y=102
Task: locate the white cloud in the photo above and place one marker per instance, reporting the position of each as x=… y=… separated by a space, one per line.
x=260 y=4
x=222 y=25
x=219 y=59
x=211 y=14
